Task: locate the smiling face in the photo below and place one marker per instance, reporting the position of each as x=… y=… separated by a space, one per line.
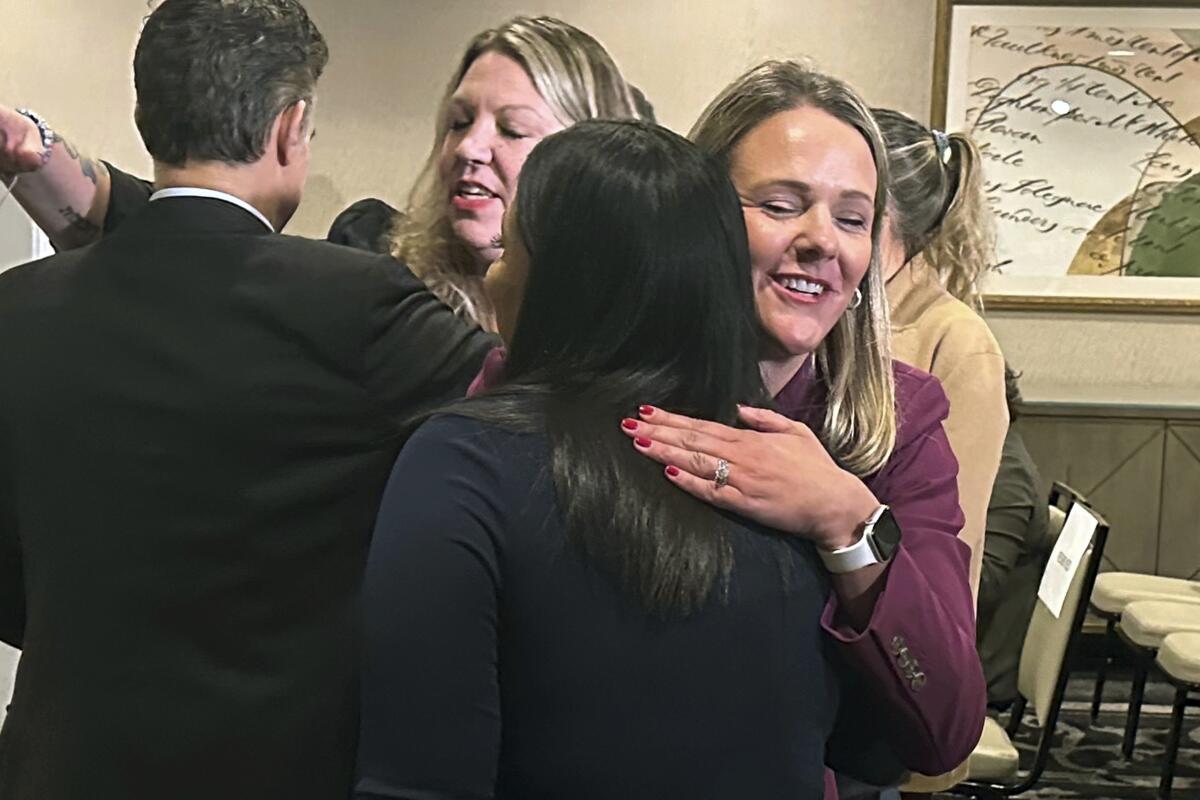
x=495 y=117
x=807 y=184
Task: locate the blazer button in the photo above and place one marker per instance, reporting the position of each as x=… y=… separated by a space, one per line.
x=918 y=681
x=898 y=644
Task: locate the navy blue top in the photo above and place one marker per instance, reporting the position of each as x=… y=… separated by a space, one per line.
x=501 y=663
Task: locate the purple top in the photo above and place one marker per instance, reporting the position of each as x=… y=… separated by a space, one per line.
x=918 y=650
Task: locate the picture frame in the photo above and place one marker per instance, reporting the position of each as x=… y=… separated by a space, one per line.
x=1091 y=147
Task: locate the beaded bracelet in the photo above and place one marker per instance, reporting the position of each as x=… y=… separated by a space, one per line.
x=49 y=137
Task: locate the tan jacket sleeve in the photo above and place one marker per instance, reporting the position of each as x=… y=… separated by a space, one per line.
x=971 y=368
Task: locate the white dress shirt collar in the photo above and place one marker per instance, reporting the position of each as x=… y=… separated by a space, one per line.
x=189 y=191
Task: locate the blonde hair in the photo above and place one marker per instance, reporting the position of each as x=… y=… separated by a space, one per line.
x=939 y=210
x=854 y=360
x=576 y=77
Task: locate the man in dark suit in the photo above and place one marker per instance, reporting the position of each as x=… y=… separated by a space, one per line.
x=197 y=418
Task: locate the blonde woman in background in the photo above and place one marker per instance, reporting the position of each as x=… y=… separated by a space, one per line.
x=937 y=245
x=513 y=86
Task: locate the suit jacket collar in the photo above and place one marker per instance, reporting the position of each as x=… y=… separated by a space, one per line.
x=189 y=216
x=197 y=191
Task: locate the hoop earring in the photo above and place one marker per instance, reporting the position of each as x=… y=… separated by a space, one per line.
x=856 y=302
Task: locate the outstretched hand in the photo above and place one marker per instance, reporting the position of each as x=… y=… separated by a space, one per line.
x=779 y=472
x=21 y=148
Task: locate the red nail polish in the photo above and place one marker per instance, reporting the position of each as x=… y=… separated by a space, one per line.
x=642 y=441
x=646 y=411
x=673 y=472
x=629 y=424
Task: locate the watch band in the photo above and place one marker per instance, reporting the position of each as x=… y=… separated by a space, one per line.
x=862 y=553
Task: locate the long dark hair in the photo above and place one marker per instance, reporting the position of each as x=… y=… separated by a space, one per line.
x=638 y=292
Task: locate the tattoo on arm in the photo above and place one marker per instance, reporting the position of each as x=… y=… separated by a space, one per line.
x=79 y=223
x=86 y=164
x=70 y=148
x=89 y=170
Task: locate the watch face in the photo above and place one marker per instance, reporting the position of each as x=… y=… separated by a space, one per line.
x=886 y=534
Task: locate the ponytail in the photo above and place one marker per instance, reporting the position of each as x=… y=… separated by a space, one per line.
x=961 y=246
x=938 y=207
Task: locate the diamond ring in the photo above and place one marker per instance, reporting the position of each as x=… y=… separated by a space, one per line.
x=721 y=477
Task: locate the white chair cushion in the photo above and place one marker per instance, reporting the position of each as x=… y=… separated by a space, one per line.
x=994 y=759
x=929 y=784
x=1147 y=622
x=1179 y=657
x=1115 y=590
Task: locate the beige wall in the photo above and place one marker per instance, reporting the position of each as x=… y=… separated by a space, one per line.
x=70 y=60
x=391 y=59
x=1104 y=358
x=390 y=62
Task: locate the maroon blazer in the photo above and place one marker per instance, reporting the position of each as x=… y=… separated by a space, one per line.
x=918 y=653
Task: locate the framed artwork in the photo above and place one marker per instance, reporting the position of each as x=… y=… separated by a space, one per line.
x=1087 y=115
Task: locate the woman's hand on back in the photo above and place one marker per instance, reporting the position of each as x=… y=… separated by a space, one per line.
x=779 y=473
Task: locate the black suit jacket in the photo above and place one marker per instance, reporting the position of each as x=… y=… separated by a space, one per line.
x=197 y=418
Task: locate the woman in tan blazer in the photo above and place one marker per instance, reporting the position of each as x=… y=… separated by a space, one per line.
x=936 y=246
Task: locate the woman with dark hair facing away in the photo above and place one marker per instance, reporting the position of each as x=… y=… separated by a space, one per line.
x=546 y=616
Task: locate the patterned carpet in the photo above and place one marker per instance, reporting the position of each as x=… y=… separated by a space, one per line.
x=1086 y=763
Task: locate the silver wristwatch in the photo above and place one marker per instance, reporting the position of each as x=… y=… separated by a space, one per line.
x=880 y=538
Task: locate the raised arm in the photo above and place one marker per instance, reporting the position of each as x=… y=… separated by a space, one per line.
x=418 y=354
x=65 y=192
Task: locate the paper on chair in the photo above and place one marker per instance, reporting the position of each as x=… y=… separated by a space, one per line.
x=1065 y=558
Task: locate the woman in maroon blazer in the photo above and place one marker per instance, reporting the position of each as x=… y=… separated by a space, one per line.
x=857 y=459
